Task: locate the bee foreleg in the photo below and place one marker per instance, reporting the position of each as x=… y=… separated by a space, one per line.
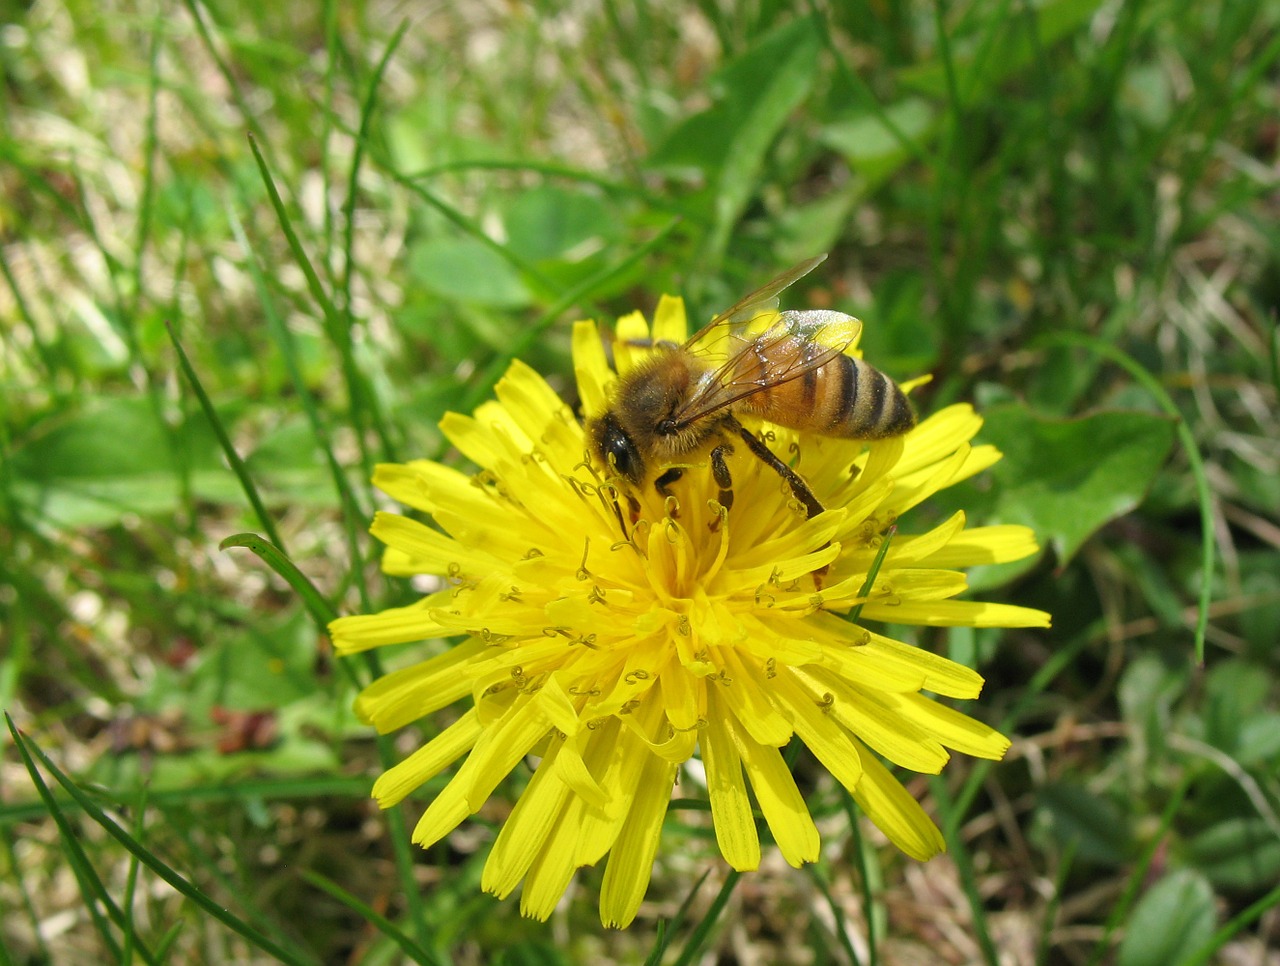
x=663 y=483
x=720 y=472
x=798 y=486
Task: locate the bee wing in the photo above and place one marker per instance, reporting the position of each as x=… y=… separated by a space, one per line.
x=724 y=334
x=769 y=364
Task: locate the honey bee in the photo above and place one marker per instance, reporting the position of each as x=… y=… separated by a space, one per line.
x=683 y=400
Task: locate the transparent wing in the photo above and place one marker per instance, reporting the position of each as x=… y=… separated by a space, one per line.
x=724 y=335
x=798 y=342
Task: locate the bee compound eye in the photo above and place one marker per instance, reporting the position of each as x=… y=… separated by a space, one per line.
x=617 y=449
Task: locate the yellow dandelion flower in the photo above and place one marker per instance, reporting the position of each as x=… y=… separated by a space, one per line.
x=615 y=644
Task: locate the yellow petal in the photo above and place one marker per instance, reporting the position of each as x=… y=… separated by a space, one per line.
x=408 y=694
x=985 y=545
x=938 y=436
x=526 y=829
x=553 y=866
x=953 y=729
x=590 y=368
x=781 y=802
x=730 y=807
x=955 y=613
x=830 y=743
x=895 y=812
x=395 y=625
x=626 y=877
x=428 y=761
x=669 y=322
x=873 y=717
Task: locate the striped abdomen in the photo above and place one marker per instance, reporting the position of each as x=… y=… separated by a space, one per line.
x=843 y=396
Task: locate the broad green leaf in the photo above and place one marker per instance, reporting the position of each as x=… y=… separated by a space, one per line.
x=549 y=222
x=91 y=468
x=1235 y=692
x=1176 y=915
x=1147 y=691
x=1092 y=825
x=466 y=270
x=871 y=147
x=1066 y=478
x=1239 y=853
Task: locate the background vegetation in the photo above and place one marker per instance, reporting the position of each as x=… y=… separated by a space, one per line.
x=353 y=215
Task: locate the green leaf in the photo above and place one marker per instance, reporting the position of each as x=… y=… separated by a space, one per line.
x=871 y=147
x=549 y=222
x=1235 y=691
x=1240 y=853
x=1066 y=478
x=1174 y=916
x=728 y=142
x=468 y=271
x=1095 y=827
x=113 y=458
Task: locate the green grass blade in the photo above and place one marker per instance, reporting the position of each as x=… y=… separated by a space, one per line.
x=870 y=879
x=1254 y=912
x=320 y=610
x=353 y=516
x=92 y=890
x=703 y=930
x=361 y=399
x=876 y=564
x=1138 y=876
x=960 y=855
x=362 y=136
x=27 y=749
x=667 y=929
x=837 y=913
x=228 y=450
x=418 y=953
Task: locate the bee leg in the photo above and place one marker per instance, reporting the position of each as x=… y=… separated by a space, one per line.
x=798 y=486
x=662 y=485
x=720 y=472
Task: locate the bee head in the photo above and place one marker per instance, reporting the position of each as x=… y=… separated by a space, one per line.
x=616 y=449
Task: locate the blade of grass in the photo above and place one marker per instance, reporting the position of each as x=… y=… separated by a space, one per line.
x=361 y=400
x=870 y=879
x=228 y=450
x=667 y=929
x=876 y=564
x=1055 y=903
x=1254 y=912
x=837 y=914
x=960 y=855
x=92 y=891
x=149 y=150
x=550 y=169
x=362 y=136
x=353 y=516
x=321 y=610
x=30 y=751
x=131 y=876
x=418 y=953
x=700 y=933
x=1138 y=876
x=42 y=954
